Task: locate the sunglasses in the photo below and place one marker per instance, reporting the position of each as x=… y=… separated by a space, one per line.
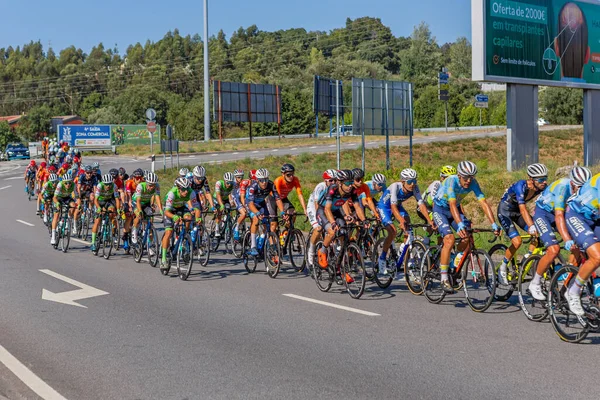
x=263 y=180
x=289 y=175
x=229 y=182
x=330 y=180
x=348 y=183
x=411 y=181
x=541 y=180
x=466 y=178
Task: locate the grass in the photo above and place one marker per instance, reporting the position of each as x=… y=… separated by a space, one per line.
x=557 y=149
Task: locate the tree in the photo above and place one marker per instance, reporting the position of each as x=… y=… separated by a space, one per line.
x=421 y=62
x=35 y=124
x=7 y=135
x=460 y=59
x=561 y=106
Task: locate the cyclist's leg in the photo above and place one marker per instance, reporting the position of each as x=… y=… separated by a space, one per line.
x=544 y=221
x=387 y=220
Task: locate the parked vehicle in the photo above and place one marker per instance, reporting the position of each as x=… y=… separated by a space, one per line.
x=16 y=151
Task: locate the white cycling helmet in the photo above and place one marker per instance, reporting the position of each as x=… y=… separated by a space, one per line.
x=182 y=183
x=379 y=179
x=183 y=172
x=580 y=175
x=199 y=172
x=407 y=174
x=537 y=170
x=238 y=172
x=262 y=173
x=466 y=168
x=107 y=178
x=228 y=177
x=152 y=178
x=53 y=178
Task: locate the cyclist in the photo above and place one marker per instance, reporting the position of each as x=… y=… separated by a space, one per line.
x=512 y=210
x=256 y=199
x=63 y=169
x=47 y=193
x=362 y=190
x=284 y=185
x=62 y=195
x=123 y=174
x=223 y=190
x=583 y=223
x=377 y=185
x=40 y=179
x=447 y=213
x=179 y=203
x=334 y=211
x=313 y=205
x=145 y=195
x=549 y=215
x=86 y=183
x=199 y=185
x=130 y=188
x=390 y=207
x=96 y=169
x=183 y=172
x=30 y=172
x=433 y=188
x=241 y=185
x=106 y=198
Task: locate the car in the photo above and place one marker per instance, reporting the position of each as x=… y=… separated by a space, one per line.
x=344 y=130
x=16 y=151
x=542 y=122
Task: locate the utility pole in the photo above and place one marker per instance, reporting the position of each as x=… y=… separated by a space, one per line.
x=206 y=77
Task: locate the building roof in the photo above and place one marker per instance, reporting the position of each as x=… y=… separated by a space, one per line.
x=67 y=118
x=11 y=119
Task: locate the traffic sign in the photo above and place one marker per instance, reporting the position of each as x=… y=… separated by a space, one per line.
x=482 y=98
x=151 y=114
x=481 y=104
x=151 y=126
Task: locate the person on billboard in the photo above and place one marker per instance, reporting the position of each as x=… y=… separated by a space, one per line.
x=571 y=43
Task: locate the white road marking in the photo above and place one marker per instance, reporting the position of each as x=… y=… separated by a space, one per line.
x=393 y=141
x=5 y=187
x=214 y=155
x=80 y=241
x=14 y=177
x=25 y=223
x=69 y=297
x=275 y=150
x=324 y=303
x=191 y=156
x=40 y=387
x=236 y=153
x=294 y=148
x=332 y=145
x=255 y=151
x=313 y=147
x=12 y=169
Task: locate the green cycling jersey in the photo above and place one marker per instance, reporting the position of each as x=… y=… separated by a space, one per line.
x=49 y=188
x=64 y=190
x=144 y=193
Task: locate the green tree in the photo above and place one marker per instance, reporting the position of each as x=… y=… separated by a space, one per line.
x=563 y=106
x=7 y=135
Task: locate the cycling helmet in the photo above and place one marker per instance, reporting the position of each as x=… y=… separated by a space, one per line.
x=67 y=177
x=183 y=171
x=65 y=166
x=114 y=172
x=32 y=163
x=379 y=179
x=189 y=175
x=122 y=171
x=95 y=165
x=329 y=174
x=408 y=173
x=537 y=170
x=238 y=172
x=107 y=178
x=138 y=173
x=199 y=172
x=252 y=174
x=69 y=159
x=228 y=177
x=345 y=175
x=466 y=168
x=152 y=178
x=447 y=170
x=182 y=183
x=88 y=168
x=43 y=164
x=262 y=173
x=52 y=168
x=358 y=173
x=580 y=175
x=287 y=168
x=53 y=178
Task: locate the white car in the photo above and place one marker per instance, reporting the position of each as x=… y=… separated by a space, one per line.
x=542 y=122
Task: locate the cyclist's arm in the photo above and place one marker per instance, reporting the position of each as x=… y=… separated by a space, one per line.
x=301 y=197
x=525 y=214
x=488 y=211
x=328 y=212
x=359 y=211
x=454 y=210
x=398 y=216
x=372 y=207
x=425 y=213
x=252 y=207
x=561 y=225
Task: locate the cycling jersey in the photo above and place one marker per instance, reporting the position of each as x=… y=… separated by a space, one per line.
x=372 y=189
x=131 y=185
x=335 y=199
x=311 y=211
x=517 y=194
x=395 y=194
x=257 y=195
x=175 y=201
x=144 y=193
x=43 y=175
x=120 y=184
x=284 y=187
x=223 y=190
x=105 y=192
x=87 y=184
x=319 y=193
x=64 y=190
x=48 y=189
x=239 y=189
x=363 y=191
x=585 y=201
x=431 y=192
x=200 y=188
x=451 y=190
x=31 y=170
x=555 y=196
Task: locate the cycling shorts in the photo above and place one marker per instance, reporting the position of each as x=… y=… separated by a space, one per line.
x=508 y=219
x=265 y=209
x=181 y=211
x=544 y=222
x=387 y=217
x=62 y=201
x=584 y=232
x=287 y=205
x=324 y=222
x=442 y=217
x=312 y=214
x=106 y=204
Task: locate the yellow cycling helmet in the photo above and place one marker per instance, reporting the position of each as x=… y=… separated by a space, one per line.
x=447 y=170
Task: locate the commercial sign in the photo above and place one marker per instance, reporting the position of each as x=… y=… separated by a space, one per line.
x=85 y=135
x=539 y=42
x=133 y=134
x=443 y=86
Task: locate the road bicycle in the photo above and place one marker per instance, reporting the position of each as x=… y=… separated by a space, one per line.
x=30 y=188
x=366 y=242
x=85 y=220
x=63 y=229
x=293 y=243
x=267 y=245
x=474 y=273
x=201 y=243
x=147 y=239
x=345 y=264
x=225 y=229
x=238 y=245
x=105 y=238
x=180 y=249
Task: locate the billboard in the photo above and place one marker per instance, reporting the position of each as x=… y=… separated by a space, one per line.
x=325 y=96
x=246 y=102
x=85 y=135
x=133 y=134
x=538 y=42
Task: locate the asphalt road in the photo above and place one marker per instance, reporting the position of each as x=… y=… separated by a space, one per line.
x=225 y=334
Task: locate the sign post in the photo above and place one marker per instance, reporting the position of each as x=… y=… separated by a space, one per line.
x=443 y=91
x=481 y=101
x=150 y=124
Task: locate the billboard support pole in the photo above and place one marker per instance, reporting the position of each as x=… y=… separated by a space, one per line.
x=591 y=127
x=362 y=104
x=206 y=77
x=522 y=133
x=220 y=113
x=387 y=130
x=446 y=114
x=337 y=112
x=277 y=107
x=250 y=112
x=410 y=123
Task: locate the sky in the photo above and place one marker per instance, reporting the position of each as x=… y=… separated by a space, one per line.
x=85 y=23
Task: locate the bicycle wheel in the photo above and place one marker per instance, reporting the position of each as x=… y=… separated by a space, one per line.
x=412 y=267
x=384 y=281
x=138 y=248
x=228 y=235
x=367 y=247
x=86 y=222
x=353 y=268
x=250 y=262
x=497 y=253
x=107 y=239
x=167 y=267
x=185 y=257
x=215 y=240
x=49 y=219
x=65 y=235
x=202 y=246
x=237 y=245
x=272 y=254
x=534 y=310
x=296 y=247
x=568 y=326
x=431 y=276
x=116 y=233
x=152 y=246
x=479 y=280
x=323 y=276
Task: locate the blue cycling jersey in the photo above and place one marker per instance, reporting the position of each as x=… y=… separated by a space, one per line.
x=451 y=190
x=395 y=194
x=374 y=191
x=555 y=196
x=518 y=193
x=585 y=200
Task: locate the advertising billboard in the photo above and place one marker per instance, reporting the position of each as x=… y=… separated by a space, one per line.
x=85 y=135
x=538 y=42
x=133 y=134
x=246 y=102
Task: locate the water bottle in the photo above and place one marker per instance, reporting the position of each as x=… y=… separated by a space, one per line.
x=194 y=233
x=261 y=241
x=557 y=269
x=282 y=237
x=457 y=259
x=597 y=287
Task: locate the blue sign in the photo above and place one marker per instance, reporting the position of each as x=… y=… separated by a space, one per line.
x=481 y=98
x=85 y=135
x=443 y=77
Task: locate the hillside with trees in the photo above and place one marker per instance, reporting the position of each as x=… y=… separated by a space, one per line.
x=110 y=86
